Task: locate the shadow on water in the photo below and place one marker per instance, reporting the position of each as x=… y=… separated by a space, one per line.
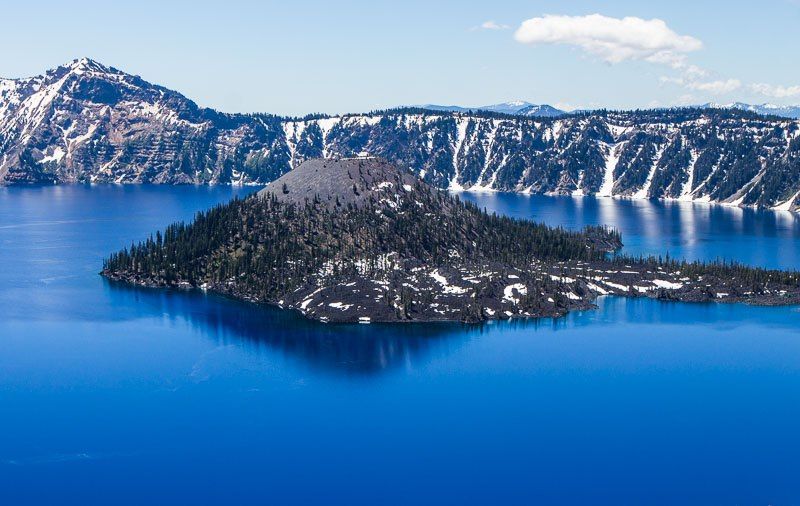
x=354 y=349
x=341 y=348
x=337 y=348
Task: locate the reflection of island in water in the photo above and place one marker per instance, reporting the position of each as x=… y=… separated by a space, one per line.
x=341 y=349
x=355 y=349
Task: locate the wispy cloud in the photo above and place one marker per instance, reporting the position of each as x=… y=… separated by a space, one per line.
x=775 y=91
x=726 y=86
x=613 y=40
x=714 y=87
x=718 y=87
x=491 y=25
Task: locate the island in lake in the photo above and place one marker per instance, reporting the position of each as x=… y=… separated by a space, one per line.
x=361 y=240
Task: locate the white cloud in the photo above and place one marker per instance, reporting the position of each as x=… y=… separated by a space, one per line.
x=723 y=86
x=775 y=91
x=717 y=87
x=617 y=40
x=491 y=25
x=694 y=72
x=613 y=40
x=680 y=81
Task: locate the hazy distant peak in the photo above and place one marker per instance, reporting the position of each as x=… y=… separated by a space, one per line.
x=516 y=107
x=787 y=111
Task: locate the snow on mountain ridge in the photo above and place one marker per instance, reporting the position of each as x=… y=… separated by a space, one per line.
x=518 y=107
x=786 y=111
x=86 y=122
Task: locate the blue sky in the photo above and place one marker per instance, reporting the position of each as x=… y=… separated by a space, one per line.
x=301 y=56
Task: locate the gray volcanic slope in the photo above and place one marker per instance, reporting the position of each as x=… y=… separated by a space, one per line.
x=351 y=181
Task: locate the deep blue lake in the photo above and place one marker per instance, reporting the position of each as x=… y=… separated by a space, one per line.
x=113 y=395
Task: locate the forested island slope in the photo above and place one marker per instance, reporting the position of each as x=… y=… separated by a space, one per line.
x=360 y=240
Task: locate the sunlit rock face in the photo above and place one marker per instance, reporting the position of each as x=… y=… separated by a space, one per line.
x=86 y=122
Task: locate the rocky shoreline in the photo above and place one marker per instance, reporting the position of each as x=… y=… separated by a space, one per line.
x=472 y=295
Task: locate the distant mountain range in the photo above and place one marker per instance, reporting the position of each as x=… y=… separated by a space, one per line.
x=87 y=122
x=784 y=111
x=518 y=108
x=522 y=108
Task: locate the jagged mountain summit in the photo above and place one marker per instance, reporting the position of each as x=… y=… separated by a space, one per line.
x=360 y=240
x=87 y=122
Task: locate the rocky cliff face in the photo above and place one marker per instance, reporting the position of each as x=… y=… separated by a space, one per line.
x=85 y=122
x=712 y=156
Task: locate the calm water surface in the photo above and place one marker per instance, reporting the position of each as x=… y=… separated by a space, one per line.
x=684 y=230
x=113 y=395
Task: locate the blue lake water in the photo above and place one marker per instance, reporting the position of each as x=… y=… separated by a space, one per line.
x=114 y=395
x=684 y=230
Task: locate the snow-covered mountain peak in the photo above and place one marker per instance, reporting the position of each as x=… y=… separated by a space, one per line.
x=62 y=117
x=81 y=65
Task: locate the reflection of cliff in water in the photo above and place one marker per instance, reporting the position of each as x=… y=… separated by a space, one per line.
x=346 y=349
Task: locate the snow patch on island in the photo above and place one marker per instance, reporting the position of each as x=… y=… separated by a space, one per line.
x=509 y=292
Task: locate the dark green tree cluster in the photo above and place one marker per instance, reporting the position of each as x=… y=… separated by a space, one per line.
x=717 y=272
x=270 y=247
